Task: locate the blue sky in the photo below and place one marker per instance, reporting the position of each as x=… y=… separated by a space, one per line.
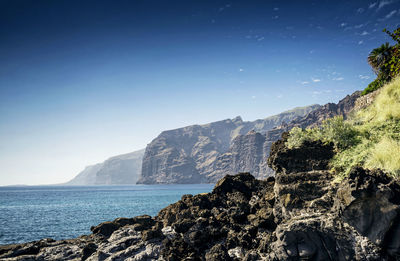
x=80 y=82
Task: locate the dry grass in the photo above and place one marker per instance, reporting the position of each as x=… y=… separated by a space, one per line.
x=385 y=155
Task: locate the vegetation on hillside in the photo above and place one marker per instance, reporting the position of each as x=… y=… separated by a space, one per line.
x=385 y=62
x=370 y=138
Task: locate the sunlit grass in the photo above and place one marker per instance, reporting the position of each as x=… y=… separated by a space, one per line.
x=371 y=138
x=385 y=155
x=386 y=105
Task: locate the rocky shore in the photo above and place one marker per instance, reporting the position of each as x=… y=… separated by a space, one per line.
x=301 y=214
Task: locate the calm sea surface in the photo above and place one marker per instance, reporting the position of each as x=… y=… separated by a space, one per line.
x=58 y=212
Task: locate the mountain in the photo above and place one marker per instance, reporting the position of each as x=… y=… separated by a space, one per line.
x=121 y=169
x=206 y=153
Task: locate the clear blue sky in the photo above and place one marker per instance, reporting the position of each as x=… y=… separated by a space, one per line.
x=81 y=81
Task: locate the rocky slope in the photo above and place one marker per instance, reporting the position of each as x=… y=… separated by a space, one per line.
x=301 y=214
x=121 y=169
x=206 y=153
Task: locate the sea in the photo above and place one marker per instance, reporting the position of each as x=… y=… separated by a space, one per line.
x=29 y=213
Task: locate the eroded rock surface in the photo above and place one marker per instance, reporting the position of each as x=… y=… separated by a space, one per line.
x=301 y=214
x=206 y=153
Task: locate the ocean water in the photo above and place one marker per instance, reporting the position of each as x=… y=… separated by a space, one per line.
x=60 y=212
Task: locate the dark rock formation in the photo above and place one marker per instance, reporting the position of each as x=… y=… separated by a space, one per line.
x=121 y=169
x=301 y=214
x=206 y=153
x=311 y=156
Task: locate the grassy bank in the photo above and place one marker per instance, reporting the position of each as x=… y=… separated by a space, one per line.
x=369 y=138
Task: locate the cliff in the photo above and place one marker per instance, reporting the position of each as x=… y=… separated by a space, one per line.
x=206 y=153
x=301 y=214
x=121 y=169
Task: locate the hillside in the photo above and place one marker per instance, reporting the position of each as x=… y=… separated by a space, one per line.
x=121 y=169
x=205 y=153
x=369 y=138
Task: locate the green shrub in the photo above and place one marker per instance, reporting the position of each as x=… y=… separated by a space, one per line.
x=373 y=86
x=342 y=134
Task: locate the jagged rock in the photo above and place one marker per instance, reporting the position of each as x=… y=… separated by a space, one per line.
x=311 y=156
x=343 y=108
x=368 y=201
x=107 y=228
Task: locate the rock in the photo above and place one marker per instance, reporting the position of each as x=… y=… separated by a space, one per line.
x=217 y=252
x=206 y=153
x=107 y=228
x=310 y=156
x=368 y=201
x=88 y=250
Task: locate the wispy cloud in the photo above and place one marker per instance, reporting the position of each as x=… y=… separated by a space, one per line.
x=338 y=79
x=364 y=33
x=315 y=80
x=315 y=93
x=343 y=24
x=305 y=82
x=241 y=70
x=357 y=26
x=276 y=8
x=389 y=15
x=360 y=10
x=360 y=42
x=364 y=77
x=384 y=3
x=372 y=5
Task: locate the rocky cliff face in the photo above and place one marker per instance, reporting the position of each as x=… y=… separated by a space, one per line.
x=121 y=169
x=329 y=110
x=301 y=214
x=249 y=152
x=205 y=153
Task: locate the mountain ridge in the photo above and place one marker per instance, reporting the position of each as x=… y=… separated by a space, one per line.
x=116 y=170
x=196 y=153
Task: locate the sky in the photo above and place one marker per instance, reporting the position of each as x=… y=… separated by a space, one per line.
x=81 y=81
